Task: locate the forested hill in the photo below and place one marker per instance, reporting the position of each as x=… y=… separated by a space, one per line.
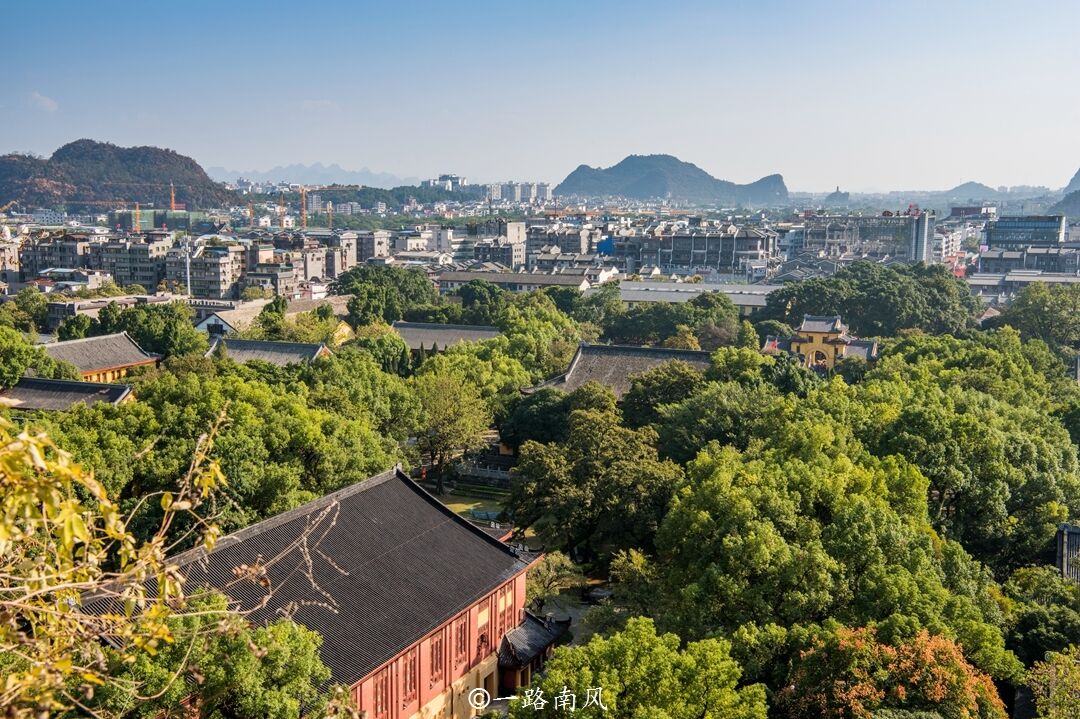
x=649 y=176
x=1068 y=205
x=86 y=174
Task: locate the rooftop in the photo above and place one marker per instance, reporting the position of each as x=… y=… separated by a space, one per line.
x=615 y=365
x=58 y=395
x=425 y=334
x=522 y=644
x=389 y=564
x=94 y=354
x=820 y=323
x=277 y=353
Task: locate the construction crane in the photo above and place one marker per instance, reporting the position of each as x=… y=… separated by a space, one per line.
x=172 y=198
x=137 y=224
x=330 y=215
x=8 y=206
x=281 y=210
x=251 y=215
x=303 y=207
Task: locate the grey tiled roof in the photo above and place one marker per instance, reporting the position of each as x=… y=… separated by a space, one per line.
x=276 y=353
x=866 y=349
x=526 y=641
x=614 y=365
x=394 y=563
x=417 y=334
x=92 y=354
x=814 y=323
x=31 y=393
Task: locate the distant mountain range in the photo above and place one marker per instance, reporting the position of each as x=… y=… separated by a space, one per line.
x=645 y=177
x=87 y=175
x=316 y=174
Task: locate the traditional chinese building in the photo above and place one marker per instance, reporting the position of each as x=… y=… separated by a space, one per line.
x=281 y=354
x=821 y=342
x=102 y=359
x=31 y=394
x=615 y=365
x=412 y=601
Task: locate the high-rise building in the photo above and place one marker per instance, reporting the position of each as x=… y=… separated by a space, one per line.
x=511 y=192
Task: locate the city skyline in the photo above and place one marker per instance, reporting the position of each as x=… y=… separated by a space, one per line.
x=839 y=94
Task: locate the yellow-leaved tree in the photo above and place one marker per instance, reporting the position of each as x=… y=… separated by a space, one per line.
x=85 y=607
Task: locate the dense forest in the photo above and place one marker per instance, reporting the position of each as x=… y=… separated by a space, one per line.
x=873 y=541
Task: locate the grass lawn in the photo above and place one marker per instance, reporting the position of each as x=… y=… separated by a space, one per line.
x=462 y=504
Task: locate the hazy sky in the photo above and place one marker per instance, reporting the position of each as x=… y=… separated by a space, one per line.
x=865 y=94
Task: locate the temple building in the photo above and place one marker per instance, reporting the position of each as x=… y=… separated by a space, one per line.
x=102 y=359
x=821 y=342
x=416 y=606
x=281 y=354
x=614 y=366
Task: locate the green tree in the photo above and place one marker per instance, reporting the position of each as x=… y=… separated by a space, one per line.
x=748 y=336
x=238 y=670
x=18 y=358
x=278 y=450
x=683 y=339
x=454 y=418
x=669 y=383
x=536 y=334
x=601 y=306
x=1044 y=613
x=803 y=526
x=487 y=366
x=878 y=301
x=481 y=302
x=549 y=578
x=567 y=299
x=164 y=328
x=386 y=346
x=540 y=416
x=601 y=490
x=727 y=412
x=75 y=327
x=644 y=674
x=1050 y=313
x=1055 y=684
x=31 y=310
x=384 y=293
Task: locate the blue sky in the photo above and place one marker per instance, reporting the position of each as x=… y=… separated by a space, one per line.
x=868 y=95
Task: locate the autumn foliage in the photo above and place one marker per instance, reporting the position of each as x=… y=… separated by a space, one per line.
x=848 y=673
